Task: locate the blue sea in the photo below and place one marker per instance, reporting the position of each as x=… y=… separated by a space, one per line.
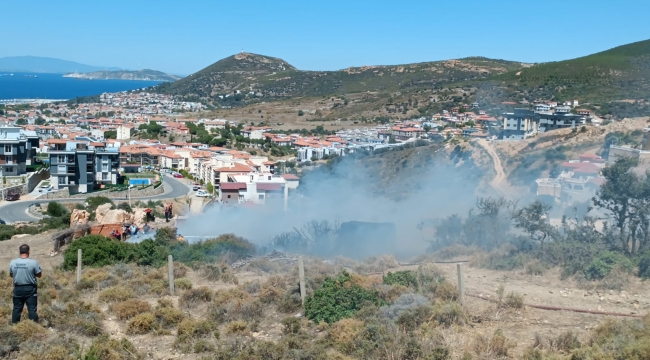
x=55 y=86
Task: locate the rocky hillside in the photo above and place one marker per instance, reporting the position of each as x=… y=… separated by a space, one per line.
x=257 y=76
x=146 y=74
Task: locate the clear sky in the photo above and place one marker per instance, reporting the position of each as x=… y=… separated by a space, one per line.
x=182 y=37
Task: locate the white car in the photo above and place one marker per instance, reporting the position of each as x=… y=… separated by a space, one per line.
x=202 y=193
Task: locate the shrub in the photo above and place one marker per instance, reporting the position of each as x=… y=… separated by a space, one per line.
x=56 y=209
x=97 y=251
x=141 y=324
x=291 y=325
x=405 y=278
x=404 y=302
x=337 y=299
x=445 y=291
x=644 y=266
x=183 y=284
x=116 y=293
x=28 y=329
x=130 y=308
x=411 y=319
x=168 y=316
x=603 y=264
x=193 y=328
x=126 y=207
x=234 y=247
x=448 y=313
x=236 y=327
x=535 y=267
x=492 y=347
x=103 y=347
x=194 y=296
x=343 y=334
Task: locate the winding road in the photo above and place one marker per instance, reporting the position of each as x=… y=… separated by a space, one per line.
x=12 y=212
x=500 y=181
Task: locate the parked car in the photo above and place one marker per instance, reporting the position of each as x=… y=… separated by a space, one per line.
x=45 y=188
x=179 y=176
x=196 y=187
x=12 y=196
x=202 y=193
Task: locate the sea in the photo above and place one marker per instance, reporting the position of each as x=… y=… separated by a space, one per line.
x=55 y=86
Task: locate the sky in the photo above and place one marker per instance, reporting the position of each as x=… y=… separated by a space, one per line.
x=182 y=37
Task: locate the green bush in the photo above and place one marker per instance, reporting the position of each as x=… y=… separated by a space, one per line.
x=97 y=251
x=644 y=266
x=603 y=264
x=126 y=207
x=405 y=278
x=56 y=209
x=338 y=298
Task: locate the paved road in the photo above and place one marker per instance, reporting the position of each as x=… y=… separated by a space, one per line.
x=17 y=211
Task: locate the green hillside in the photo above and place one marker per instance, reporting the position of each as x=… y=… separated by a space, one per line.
x=621 y=73
x=273 y=78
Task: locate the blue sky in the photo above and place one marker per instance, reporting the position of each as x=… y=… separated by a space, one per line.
x=184 y=36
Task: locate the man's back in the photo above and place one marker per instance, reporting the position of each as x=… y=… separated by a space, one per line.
x=24 y=271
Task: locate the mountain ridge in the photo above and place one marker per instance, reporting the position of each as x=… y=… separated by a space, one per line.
x=40 y=64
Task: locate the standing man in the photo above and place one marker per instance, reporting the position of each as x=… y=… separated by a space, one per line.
x=24 y=271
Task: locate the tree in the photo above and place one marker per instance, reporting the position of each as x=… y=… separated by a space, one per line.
x=617 y=196
x=111 y=134
x=301 y=113
x=21 y=121
x=534 y=221
x=210 y=188
x=39 y=121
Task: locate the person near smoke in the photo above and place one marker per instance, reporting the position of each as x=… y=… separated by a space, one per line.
x=24 y=272
x=149 y=214
x=134 y=230
x=117 y=235
x=166 y=214
x=125 y=230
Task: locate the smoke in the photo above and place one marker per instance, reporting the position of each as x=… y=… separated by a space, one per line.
x=403 y=187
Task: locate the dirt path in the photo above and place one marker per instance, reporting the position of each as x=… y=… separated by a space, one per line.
x=499 y=182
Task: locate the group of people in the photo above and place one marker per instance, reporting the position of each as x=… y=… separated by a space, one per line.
x=131 y=230
x=168 y=213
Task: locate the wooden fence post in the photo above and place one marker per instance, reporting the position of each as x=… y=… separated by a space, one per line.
x=170 y=261
x=461 y=284
x=301 y=275
x=78 y=266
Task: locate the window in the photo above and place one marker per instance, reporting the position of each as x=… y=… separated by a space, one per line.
x=61 y=180
x=241 y=197
x=261 y=196
x=9 y=168
x=105 y=167
x=104 y=176
x=8 y=148
x=9 y=159
x=269 y=177
x=228 y=196
x=61 y=158
x=62 y=169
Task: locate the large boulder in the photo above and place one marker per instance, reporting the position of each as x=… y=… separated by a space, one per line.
x=101 y=212
x=116 y=216
x=79 y=217
x=139 y=217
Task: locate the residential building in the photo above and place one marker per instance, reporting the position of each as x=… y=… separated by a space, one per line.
x=578 y=182
x=17 y=150
x=82 y=165
x=124 y=132
x=522 y=123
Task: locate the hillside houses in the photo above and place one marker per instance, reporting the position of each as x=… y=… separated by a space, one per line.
x=578 y=180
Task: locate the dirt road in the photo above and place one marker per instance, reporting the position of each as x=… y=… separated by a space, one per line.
x=499 y=182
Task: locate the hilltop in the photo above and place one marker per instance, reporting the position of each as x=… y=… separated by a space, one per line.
x=146 y=74
x=612 y=82
x=273 y=78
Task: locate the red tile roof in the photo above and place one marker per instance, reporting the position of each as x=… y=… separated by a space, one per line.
x=233 y=186
x=290 y=177
x=269 y=186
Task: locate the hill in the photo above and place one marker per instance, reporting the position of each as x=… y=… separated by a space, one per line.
x=257 y=76
x=146 y=74
x=621 y=74
x=46 y=65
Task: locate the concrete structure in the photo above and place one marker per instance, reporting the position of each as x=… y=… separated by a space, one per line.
x=124 y=132
x=578 y=181
x=522 y=123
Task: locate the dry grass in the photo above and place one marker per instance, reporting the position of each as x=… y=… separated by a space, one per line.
x=343 y=333
x=130 y=308
x=238 y=327
x=116 y=293
x=490 y=347
x=27 y=329
x=191 y=298
x=141 y=324
x=183 y=284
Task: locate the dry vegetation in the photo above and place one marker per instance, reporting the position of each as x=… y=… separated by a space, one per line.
x=417 y=316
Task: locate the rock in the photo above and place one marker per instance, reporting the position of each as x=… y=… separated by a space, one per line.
x=101 y=212
x=79 y=217
x=601 y=299
x=18 y=236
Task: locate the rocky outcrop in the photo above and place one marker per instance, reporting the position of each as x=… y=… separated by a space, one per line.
x=104 y=215
x=79 y=217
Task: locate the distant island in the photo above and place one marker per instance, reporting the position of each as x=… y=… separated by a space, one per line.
x=146 y=75
x=38 y=64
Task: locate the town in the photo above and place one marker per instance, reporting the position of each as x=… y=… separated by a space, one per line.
x=95 y=146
